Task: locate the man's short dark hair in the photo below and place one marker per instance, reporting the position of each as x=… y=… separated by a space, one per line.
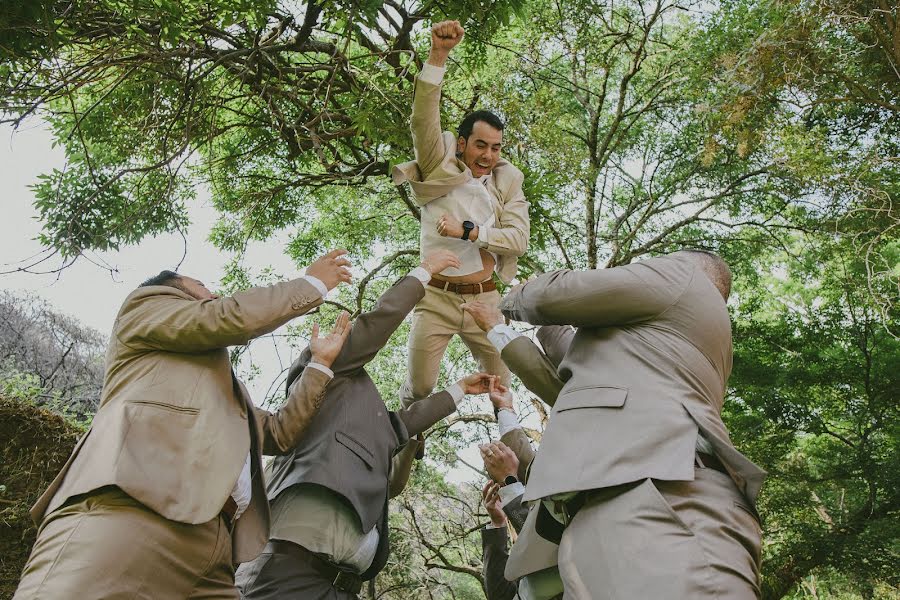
x=465 y=128
x=169 y=278
x=716 y=268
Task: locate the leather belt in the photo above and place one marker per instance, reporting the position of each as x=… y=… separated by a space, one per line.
x=711 y=461
x=228 y=511
x=464 y=288
x=340 y=580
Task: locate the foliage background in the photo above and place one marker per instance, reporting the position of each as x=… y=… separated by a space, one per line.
x=765 y=130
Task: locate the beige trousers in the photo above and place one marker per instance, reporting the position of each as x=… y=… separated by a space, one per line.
x=436 y=319
x=109 y=546
x=679 y=540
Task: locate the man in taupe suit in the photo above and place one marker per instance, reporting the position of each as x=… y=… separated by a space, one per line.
x=330 y=493
x=164 y=493
x=472 y=205
x=636 y=469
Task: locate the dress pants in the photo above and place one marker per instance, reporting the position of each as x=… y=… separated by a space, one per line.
x=436 y=319
x=679 y=540
x=275 y=575
x=107 y=545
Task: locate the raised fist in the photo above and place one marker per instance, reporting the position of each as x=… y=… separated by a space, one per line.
x=445 y=36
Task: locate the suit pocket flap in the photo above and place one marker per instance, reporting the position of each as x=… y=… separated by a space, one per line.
x=356 y=448
x=591 y=397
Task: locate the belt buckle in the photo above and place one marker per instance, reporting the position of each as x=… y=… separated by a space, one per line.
x=347 y=582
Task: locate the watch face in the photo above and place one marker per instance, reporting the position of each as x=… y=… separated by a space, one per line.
x=510 y=479
x=468 y=225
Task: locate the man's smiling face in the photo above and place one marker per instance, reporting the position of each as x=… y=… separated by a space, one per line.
x=482 y=150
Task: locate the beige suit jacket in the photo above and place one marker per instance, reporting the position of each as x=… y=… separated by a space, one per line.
x=437 y=170
x=646 y=369
x=174 y=425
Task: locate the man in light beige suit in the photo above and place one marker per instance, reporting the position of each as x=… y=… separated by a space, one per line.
x=472 y=205
x=164 y=493
x=636 y=476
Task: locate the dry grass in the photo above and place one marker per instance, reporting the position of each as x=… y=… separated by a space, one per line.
x=34 y=445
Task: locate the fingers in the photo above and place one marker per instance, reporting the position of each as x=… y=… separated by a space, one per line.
x=342 y=262
x=335 y=253
x=315 y=333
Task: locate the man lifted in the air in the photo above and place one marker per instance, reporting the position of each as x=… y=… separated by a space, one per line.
x=473 y=205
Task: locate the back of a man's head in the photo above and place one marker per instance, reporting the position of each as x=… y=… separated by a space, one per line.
x=715 y=268
x=169 y=278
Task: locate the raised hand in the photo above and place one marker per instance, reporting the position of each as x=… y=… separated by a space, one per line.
x=485 y=315
x=331 y=268
x=499 y=461
x=478 y=383
x=439 y=260
x=325 y=349
x=502 y=397
x=490 y=497
x=444 y=37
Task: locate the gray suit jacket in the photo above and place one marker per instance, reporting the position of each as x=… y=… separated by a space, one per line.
x=645 y=370
x=350 y=442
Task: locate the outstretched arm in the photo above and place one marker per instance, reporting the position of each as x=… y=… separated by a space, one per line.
x=169 y=320
x=601 y=297
x=421 y=415
x=281 y=431
x=520 y=354
x=372 y=330
x=426 y=114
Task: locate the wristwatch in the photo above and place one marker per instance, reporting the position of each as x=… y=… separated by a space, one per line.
x=468 y=226
x=510 y=479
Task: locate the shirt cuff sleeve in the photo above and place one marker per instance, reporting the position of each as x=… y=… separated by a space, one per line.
x=457 y=393
x=317 y=283
x=501 y=335
x=432 y=74
x=484 y=234
x=492 y=526
x=422 y=274
x=510 y=492
x=323 y=368
x=507 y=420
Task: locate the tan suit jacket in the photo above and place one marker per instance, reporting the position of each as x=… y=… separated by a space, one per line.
x=437 y=170
x=174 y=425
x=646 y=369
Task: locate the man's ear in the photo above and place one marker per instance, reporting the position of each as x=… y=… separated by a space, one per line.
x=460 y=145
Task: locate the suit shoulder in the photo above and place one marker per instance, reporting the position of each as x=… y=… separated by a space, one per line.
x=508 y=175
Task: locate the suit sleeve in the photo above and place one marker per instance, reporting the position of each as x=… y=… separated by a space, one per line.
x=516 y=512
x=173 y=323
x=518 y=442
x=532 y=366
x=282 y=430
x=599 y=298
x=510 y=236
x=495 y=555
x=421 y=415
x=555 y=340
x=425 y=124
x=372 y=330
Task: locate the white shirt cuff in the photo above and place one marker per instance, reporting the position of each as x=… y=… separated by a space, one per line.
x=323 y=368
x=492 y=526
x=422 y=274
x=317 y=283
x=509 y=493
x=507 y=420
x=500 y=335
x=457 y=393
x=432 y=74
